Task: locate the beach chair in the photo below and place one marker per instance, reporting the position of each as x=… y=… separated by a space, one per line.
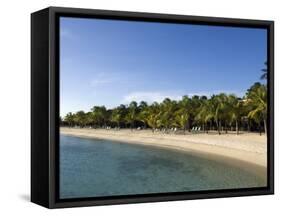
x=195 y=129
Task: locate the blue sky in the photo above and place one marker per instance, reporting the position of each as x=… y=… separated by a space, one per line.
x=109 y=62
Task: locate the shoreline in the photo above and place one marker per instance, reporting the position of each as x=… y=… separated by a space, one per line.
x=247 y=151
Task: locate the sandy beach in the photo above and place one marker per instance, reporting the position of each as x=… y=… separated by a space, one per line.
x=246 y=150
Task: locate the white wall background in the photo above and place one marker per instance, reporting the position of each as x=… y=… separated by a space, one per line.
x=15 y=106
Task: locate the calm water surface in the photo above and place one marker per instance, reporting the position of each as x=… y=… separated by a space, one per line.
x=94 y=168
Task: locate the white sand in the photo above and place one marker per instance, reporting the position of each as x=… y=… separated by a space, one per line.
x=247 y=147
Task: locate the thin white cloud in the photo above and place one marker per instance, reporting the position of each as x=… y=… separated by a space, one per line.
x=214 y=92
x=103 y=79
x=150 y=97
x=158 y=96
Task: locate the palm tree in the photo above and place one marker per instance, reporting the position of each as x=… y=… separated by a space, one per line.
x=143 y=105
x=143 y=113
x=264 y=72
x=257 y=100
x=219 y=105
x=116 y=117
x=235 y=108
x=205 y=113
x=153 y=116
x=89 y=120
x=219 y=109
x=167 y=109
x=69 y=118
x=118 y=114
x=182 y=115
x=195 y=106
x=132 y=114
x=99 y=115
x=80 y=118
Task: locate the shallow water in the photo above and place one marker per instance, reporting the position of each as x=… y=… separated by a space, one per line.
x=94 y=168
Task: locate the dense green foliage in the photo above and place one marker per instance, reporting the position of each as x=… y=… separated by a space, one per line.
x=221 y=112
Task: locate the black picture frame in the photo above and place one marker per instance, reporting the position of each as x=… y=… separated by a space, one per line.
x=45 y=106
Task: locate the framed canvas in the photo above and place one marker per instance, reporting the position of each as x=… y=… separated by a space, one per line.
x=138 y=107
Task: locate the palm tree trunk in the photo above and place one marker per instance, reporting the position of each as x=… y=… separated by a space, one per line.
x=237 y=128
x=219 y=127
x=265 y=126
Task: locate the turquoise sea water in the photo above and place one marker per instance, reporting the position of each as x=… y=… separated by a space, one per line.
x=94 y=168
